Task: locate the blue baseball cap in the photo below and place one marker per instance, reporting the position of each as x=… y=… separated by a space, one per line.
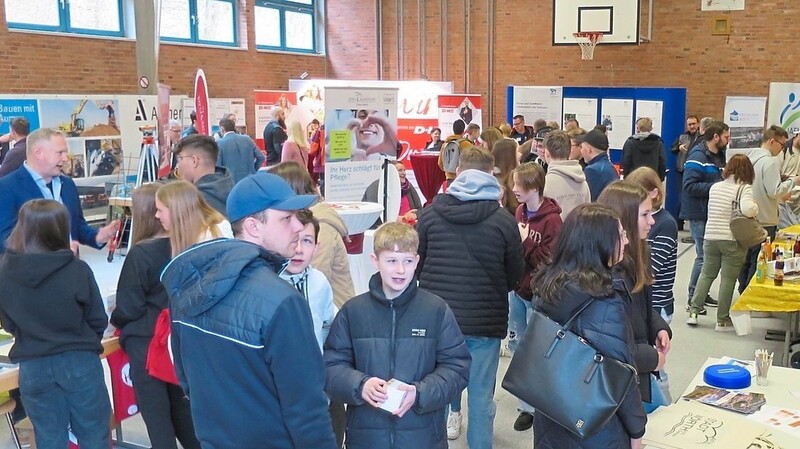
x=263 y=191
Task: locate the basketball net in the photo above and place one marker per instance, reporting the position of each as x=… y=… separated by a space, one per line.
x=587 y=42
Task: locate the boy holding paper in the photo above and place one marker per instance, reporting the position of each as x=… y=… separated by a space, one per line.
x=395 y=354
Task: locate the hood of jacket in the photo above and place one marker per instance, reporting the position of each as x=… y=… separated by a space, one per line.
x=474 y=185
x=454 y=210
x=548 y=207
x=31 y=270
x=568 y=169
x=203 y=275
x=217 y=185
x=326 y=214
x=647 y=142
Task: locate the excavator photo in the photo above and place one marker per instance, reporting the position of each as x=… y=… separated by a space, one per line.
x=75 y=126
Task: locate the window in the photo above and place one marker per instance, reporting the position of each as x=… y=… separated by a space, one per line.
x=101 y=17
x=286 y=25
x=201 y=21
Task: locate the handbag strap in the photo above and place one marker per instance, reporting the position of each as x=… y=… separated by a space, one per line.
x=736 y=204
x=574 y=316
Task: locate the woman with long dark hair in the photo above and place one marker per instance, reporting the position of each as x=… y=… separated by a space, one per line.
x=650 y=331
x=591 y=243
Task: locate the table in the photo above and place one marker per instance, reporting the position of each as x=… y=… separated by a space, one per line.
x=690 y=424
x=359 y=217
x=766 y=297
x=428 y=174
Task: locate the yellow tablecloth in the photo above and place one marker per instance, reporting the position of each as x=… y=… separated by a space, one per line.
x=767 y=297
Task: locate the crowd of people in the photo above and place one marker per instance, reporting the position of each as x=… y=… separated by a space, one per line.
x=244 y=274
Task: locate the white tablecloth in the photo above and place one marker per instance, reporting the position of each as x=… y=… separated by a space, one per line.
x=361 y=267
x=358 y=216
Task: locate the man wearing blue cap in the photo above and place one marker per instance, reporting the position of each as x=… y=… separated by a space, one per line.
x=242 y=338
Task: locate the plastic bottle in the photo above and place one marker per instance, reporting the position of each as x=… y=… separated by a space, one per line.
x=796 y=251
x=768 y=249
x=776 y=251
x=778 y=278
x=761 y=267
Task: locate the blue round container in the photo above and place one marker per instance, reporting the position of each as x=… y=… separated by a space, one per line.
x=730 y=377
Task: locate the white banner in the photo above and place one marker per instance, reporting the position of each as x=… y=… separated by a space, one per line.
x=653 y=110
x=745 y=116
x=784 y=106
x=617 y=117
x=535 y=102
x=464 y=107
x=360 y=126
x=584 y=110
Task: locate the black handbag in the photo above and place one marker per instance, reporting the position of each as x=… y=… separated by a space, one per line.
x=747 y=231
x=565 y=378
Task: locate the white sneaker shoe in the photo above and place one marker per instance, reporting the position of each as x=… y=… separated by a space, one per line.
x=453 y=425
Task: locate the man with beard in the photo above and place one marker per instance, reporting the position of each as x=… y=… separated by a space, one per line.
x=680 y=148
x=275 y=135
x=703 y=169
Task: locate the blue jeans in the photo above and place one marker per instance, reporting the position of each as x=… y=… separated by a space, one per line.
x=697 y=229
x=485 y=354
x=66 y=390
x=519 y=313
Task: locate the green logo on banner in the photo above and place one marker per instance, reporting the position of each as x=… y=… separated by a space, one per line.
x=341 y=144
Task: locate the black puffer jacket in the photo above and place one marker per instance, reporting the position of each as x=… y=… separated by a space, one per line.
x=606 y=326
x=471 y=255
x=413 y=338
x=644 y=150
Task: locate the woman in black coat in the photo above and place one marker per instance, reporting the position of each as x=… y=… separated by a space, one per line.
x=591 y=243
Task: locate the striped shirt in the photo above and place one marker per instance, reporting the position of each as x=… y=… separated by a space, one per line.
x=720 y=197
x=663 y=241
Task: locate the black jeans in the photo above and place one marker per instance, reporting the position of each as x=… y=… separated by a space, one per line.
x=164 y=406
x=751 y=260
x=680 y=194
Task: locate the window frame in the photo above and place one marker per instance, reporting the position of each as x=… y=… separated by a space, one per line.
x=64 y=23
x=284 y=6
x=194 y=31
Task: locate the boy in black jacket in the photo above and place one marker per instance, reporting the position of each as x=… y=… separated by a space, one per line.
x=396 y=331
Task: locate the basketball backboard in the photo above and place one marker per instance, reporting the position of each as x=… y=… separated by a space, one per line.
x=618 y=20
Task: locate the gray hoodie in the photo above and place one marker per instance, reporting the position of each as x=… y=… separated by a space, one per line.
x=215 y=188
x=566 y=183
x=474 y=185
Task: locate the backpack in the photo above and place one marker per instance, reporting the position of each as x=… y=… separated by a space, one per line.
x=451 y=154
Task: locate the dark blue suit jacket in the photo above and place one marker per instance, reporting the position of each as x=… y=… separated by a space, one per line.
x=19 y=187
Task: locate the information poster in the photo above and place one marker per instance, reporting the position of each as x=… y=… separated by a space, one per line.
x=617 y=117
x=218 y=107
x=584 y=110
x=416 y=115
x=784 y=106
x=452 y=108
x=361 y=125
x=538 y=102
x=745 y=116
x=13 y=108
x=265 y=100
x=654 y=110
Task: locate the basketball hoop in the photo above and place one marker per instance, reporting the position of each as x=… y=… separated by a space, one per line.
x=587 y=41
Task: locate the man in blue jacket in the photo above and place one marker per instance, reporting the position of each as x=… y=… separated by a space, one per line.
x=40 y=177
x=599 y=171
x=242 y=338
x=237 y=152
x=703 y=169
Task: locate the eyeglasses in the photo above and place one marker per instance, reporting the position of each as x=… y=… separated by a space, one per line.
x=782 y=144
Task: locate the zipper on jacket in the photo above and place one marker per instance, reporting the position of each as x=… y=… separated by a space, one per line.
x=391 y=364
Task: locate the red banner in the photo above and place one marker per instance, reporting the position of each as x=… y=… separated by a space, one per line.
x=164 y=153
x=265 y=100
x=203 y=122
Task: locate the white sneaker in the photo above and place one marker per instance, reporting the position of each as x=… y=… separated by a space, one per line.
x=453 y=425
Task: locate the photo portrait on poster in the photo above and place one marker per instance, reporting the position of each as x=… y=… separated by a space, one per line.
x=371 y=135
x=466 y=108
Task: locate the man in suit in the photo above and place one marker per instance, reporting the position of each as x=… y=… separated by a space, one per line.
x=40 y=177
x=19 y=130
x=237 y=152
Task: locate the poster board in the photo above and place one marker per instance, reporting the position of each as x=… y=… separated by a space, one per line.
x=265 y=101
x=745 y=116
x=652 y=109
x=617 y=116
x=217 y=108
x=464 y=107
x=784 y=106
x=584 y=110
x=538 y=102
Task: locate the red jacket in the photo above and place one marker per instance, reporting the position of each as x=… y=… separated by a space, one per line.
x=543 y=230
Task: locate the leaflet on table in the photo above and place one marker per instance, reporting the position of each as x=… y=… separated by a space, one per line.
x=738 y=402
x=781 y=418
x=749 y=365
x=688 y=425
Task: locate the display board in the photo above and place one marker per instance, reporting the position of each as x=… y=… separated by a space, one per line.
x=265 y=101
x=784 y=106
x=745 y=116
x=464 y=107
x=536 y=102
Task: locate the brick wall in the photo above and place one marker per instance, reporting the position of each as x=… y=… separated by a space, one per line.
x=683 y=53
x=46 y=63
